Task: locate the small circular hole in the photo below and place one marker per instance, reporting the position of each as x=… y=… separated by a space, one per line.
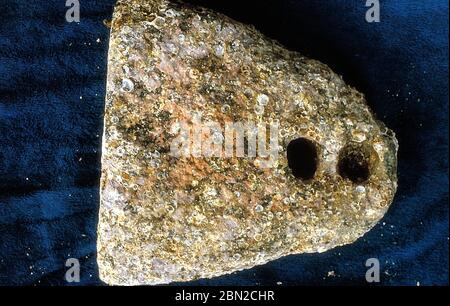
x=356 y=162
x=302 y=158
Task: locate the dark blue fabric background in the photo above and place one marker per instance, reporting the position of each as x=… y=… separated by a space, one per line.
x=50 y=138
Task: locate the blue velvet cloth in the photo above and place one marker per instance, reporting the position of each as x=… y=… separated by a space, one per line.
x=52 y=90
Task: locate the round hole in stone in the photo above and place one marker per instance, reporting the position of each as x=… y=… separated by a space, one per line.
x=356 y=162
x=302 y=158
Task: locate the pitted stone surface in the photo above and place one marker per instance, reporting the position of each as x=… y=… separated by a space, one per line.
x=166 y=218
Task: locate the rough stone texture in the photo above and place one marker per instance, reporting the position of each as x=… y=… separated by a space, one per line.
x=165 y=218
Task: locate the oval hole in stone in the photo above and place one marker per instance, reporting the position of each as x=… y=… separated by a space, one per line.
x=356 y=162
x=302 y=158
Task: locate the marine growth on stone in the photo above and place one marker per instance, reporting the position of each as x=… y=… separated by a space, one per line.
x=223 y=150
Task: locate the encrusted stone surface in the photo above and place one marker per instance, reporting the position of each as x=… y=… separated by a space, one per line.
x=165 y=218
